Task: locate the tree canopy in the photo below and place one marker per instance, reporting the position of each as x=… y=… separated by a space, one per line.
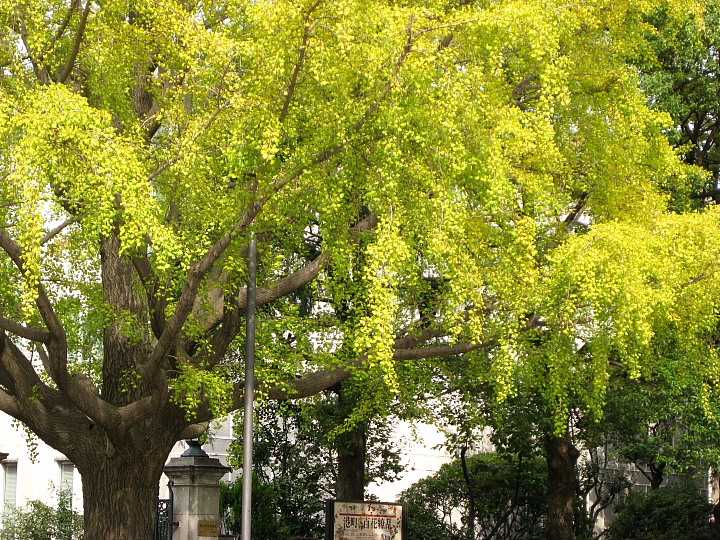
x=431 y=166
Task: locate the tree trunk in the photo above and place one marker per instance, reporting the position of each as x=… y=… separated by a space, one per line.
x=350 y=483
x=657 y=475
x=120 y=479
x=120 y=497
x=561 y=458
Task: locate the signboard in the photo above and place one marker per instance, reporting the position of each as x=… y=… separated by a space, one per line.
x=365 y=520
x=208 y=528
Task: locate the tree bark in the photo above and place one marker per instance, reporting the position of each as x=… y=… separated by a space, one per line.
x=121 y=483
x=561 y=458
x=120 y=497
x=352 y=448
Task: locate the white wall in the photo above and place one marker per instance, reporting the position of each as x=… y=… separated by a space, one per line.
x=39 y=478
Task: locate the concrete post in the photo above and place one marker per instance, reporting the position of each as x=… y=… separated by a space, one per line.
x=196 y=491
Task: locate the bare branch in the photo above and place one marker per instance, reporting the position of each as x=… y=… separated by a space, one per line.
x=308 y=385
x=162 y=168
x=693 y=281
x=61 y=29
x=440 y=350
x=40 y=72
x=445 y=26
x=288 y=284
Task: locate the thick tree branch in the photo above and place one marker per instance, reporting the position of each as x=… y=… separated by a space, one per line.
x=86 y=397
x=23 y=387
x=79 y=34
x=8 y=404
x=27 y=332
x=307 y=385
x=231 y=325
x=185 y=304
x=440 y=350
x=55 y=328
x=286 y=285
x=156 y=303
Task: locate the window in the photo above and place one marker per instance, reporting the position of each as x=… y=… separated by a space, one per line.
x=9 y=486
x=67 y=471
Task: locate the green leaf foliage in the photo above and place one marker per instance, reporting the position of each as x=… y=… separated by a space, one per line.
x=676 y=511
x=424 y=178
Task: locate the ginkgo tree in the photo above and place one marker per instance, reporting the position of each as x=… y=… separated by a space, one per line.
x=455 y=149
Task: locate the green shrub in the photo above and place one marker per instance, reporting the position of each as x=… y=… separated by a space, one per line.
x=38 y=521
x=675 y=512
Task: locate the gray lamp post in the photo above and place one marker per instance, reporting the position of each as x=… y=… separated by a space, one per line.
x=249 y=393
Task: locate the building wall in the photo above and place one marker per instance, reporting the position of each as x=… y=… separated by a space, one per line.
x=38 y=466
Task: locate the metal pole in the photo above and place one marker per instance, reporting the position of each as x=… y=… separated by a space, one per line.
x=249 y=391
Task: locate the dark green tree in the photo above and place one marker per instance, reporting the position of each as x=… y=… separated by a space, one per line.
x=512 y=505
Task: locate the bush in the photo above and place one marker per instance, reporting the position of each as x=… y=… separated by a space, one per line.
x=675 y=512
x=38 y=521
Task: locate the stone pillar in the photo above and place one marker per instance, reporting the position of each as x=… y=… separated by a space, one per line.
x=196 y=493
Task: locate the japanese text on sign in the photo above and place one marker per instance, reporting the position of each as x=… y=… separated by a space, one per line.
x=367 y=521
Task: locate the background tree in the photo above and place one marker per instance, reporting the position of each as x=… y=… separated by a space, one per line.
x=681 y=78
x=142 y=144
x=295 y=458
x=512 y=505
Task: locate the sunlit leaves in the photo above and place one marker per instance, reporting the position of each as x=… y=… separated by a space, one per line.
x=471 y=132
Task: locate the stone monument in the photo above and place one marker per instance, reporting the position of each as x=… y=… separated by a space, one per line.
x=196 y=493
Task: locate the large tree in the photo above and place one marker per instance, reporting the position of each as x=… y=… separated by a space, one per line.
x=452 y=147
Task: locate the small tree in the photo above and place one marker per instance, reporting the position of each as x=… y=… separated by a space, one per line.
x=265 y=521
